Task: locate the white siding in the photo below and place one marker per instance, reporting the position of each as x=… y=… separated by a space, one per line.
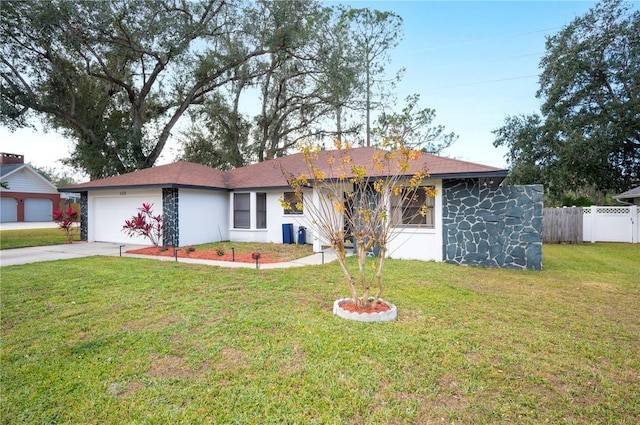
x=203 y=216
x=29 y=181
x=108 y=211
x=410 y=243
x=275 y=219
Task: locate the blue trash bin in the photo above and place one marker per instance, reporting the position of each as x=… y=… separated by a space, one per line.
x=287 y=233
x=302 y=235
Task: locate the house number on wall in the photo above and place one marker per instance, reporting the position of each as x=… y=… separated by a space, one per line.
x=123 y=193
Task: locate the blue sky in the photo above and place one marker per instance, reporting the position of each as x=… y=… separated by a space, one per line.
x=474 y=62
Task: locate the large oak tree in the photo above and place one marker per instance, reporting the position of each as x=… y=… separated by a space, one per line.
x=116 y=76
x=587 y=137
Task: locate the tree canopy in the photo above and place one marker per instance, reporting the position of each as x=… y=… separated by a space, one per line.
x=586 y=138
x=414 y=127
x=118 y=76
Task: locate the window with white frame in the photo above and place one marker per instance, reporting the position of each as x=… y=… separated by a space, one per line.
x=241 y=210
x=413 y=208
x=261 y=210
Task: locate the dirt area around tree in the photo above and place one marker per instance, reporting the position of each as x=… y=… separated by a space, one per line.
x=373 y=308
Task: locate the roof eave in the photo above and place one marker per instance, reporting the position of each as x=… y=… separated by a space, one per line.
x=144 y=186
x=471 y=174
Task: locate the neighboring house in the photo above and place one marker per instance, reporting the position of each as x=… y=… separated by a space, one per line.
x=630 y=197
x=30 y=197
x=472 y=220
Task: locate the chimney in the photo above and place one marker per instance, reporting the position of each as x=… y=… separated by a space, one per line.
x=11 y=158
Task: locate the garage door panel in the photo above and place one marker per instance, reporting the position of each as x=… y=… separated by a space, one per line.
x=37 y=209
x=109 y=215
x=8 y=210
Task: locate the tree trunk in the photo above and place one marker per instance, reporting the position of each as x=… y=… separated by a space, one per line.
x=341 y=253
x=368 y=106
x=383 y=254
x=339 y=123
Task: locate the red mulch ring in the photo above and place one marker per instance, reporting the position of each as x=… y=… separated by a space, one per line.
x=205 y=255
x=373 y=308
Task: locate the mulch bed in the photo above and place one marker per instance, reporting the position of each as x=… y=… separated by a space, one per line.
x=206 y=255
x=374 y=308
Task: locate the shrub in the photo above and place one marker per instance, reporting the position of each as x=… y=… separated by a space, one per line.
x=66 y=220
x=145 y=224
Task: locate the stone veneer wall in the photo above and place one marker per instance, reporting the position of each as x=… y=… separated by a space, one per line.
x=170 y=230
x=492 y=226
x=84 y=216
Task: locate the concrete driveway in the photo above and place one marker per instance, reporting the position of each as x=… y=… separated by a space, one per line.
x=29 y=225
x=11 y=257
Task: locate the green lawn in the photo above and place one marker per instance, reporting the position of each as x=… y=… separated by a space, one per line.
x=122 y=340
x=23 y=238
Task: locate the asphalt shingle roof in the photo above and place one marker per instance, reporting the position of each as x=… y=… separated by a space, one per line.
x=269 y=174
x=629 y=194
x=9 y=168
x=178 y=174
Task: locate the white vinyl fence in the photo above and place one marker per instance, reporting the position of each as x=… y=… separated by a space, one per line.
x=611 y=224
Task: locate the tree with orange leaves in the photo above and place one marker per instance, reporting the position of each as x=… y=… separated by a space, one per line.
x=356 y=203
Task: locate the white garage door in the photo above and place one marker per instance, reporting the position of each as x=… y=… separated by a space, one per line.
x=8 y=210
x=109 y=214
x=38 y=210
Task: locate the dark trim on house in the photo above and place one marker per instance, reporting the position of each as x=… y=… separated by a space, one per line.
x=262 y=188
x=84 y=215
x=147 y=186
x=171 y=217
x=476 y=175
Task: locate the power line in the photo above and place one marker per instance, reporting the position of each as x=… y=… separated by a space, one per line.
x=483 y=82
x=486 y=61
x=483 y=40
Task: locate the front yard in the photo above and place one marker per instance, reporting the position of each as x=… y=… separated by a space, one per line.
x=121 y=340
x=24 y=238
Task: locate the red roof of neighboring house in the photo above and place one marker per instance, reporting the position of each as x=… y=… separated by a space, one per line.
x=269 y=174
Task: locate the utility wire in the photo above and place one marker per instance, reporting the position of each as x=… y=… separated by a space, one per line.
x=486 y=61
x=483 y=82
x=484 y=40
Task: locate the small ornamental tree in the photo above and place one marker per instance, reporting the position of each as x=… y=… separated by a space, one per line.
x=145 y=224
x=371 y=200
x=65 y=220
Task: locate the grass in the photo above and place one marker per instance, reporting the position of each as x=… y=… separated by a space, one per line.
x=121 y=340
x=24 y=238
